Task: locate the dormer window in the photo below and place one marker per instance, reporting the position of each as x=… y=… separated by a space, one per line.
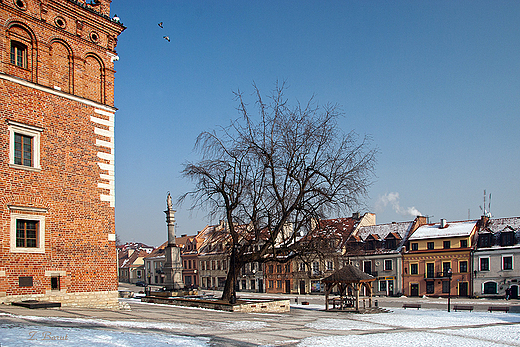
x=19 y=54
x=507 y=239
x=484 y=240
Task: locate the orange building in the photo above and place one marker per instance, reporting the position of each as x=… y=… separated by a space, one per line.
x=57 y=186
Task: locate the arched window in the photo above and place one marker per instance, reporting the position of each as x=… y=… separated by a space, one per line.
x=21 y=46
x=490 y=288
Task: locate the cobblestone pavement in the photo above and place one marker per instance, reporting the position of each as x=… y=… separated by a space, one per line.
x=223 y=328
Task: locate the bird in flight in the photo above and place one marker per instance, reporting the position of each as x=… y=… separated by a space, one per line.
x=166 y=38
x=160 y=24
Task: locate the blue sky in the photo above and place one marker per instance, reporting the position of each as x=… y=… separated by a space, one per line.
x=436 y=84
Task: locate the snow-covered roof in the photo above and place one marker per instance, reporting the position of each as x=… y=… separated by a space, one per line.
x=499 y=224
x=452 y=229
x=382 y=230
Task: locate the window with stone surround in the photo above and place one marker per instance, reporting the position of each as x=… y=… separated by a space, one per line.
x=507 y=262
x=27 y=231
x=24 y=143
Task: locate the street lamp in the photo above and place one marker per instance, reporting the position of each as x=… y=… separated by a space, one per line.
x=450 y=273
x=233 y=298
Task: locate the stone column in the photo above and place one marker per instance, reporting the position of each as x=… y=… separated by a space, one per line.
x=173 y=266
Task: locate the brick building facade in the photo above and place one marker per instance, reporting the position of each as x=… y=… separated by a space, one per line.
x=57 y=198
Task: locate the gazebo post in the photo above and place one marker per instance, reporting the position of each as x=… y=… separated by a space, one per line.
x=356 y=287
x=370 y=291
x=327 y=292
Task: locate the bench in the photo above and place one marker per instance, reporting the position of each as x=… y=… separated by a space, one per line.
x=463 y=308
x=417 y=306
x=498 y=308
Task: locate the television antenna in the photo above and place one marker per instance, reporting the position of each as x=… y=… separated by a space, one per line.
x=487 y=212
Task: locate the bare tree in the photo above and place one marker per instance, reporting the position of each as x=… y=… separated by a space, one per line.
x=273 y=176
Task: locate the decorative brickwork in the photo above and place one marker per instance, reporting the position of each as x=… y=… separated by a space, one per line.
x=57 y=95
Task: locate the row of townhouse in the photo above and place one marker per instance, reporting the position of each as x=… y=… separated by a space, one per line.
x=476 y=258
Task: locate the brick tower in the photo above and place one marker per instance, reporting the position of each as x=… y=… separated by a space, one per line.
x=57 y=198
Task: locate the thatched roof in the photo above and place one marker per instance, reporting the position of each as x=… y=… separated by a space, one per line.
x=348 y=274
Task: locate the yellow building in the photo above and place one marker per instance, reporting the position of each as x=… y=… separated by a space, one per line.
x=438 y=259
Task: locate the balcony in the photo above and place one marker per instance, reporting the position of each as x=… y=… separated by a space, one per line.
x=437 y=275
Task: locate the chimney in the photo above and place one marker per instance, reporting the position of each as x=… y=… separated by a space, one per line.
x=443 y=223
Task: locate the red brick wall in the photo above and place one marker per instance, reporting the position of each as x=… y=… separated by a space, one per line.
x=77 y=222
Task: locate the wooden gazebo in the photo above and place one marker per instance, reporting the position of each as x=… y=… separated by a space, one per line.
x=349 y=281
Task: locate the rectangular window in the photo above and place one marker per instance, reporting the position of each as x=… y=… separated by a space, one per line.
x=388 y=264
x=446 y=244
x=19 y=54
x=279 y=269
x=279 y=284
x=507 y=262
x=330 y=266
x=382 y=286
x=430 y=287
x=484 y=264
x=484 y=240
x=446 y=267
x=271 y=269
x=26 y=233
x=315 y=267
x=415 y=246
x=430 y=245
x=24 y=142
x=23 y=149
x=507 y=239
x=463 y=243
x=302 y=266
x=463 y=266
x=287 y=268
x=414 y=269
x=430 y=270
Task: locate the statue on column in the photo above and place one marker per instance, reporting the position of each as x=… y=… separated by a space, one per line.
x=169 y=202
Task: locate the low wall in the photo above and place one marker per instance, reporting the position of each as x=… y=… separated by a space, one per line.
x=105 y=299
x=274 y=306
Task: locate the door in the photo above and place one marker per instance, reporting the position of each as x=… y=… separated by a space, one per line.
x=302 y=287
x=391 y=288
x=514 y=292
x=287 y=287
x=463 y=289
x=260 y=285
x=414 y=289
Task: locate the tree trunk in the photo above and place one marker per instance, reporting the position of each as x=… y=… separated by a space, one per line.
x=229 y=293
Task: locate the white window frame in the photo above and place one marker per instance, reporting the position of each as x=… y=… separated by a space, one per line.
x=331 y=267
x=27 y=130
x=512 y=262
x=18 y=213
x=480 y=264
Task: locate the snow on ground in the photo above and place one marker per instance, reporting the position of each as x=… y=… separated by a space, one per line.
x=483 y=329
x=429 y=327
x=402 y=339
x=13 y=336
